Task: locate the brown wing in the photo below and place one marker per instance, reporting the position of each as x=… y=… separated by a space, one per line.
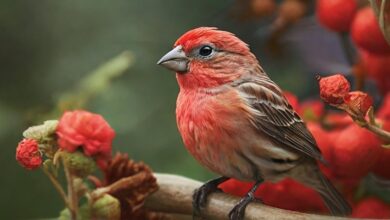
x=275 y=116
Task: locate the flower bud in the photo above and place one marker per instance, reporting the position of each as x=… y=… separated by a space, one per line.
x=28 y=155
x=334 y=88
x=79 y=164
x=358 y=102
x=83 y=213
x=43 y=131
x=107 y=207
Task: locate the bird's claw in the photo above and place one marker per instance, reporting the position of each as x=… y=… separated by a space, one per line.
x=200 y=197
x=238 y=211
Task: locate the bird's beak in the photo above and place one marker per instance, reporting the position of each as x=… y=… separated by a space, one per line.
x=175 y=60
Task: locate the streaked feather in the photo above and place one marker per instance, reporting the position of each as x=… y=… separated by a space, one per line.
x=275 y=117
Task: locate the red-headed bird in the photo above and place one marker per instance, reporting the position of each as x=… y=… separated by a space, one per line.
x=235 y=120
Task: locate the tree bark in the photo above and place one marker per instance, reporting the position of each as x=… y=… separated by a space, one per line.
x=175 y=196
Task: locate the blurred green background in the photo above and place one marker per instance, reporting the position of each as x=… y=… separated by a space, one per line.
x=47 y=47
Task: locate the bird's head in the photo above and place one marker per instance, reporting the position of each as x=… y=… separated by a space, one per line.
x=207 y=57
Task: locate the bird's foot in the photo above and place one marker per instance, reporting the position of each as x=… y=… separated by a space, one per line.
x=238 y=211
x=199 y=198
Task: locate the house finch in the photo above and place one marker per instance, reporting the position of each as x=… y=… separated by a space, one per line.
x=235 y=120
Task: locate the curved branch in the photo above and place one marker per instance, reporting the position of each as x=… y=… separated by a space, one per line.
x=175 y=196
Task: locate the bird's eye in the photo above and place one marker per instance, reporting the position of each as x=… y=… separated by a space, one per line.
x=205 y=51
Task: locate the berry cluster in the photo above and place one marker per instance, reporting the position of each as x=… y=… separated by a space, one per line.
x=344 y=16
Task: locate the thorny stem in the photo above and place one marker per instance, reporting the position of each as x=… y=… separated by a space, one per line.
x=57 y=186
x=72 y=194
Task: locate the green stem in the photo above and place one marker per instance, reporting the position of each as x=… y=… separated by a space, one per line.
x=72 y=195
x=57 y=186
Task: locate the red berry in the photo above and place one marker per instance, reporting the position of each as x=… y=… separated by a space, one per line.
x=358 y=102
x=366 y=33
x=322 y=139
x=28 y=155
x=334 y=88
x=286 y=194
x=377 y=67
x=336 y=15
x=355 y=152
x=291 y=195
x=371 y=208
x=381 y=167
x=325 y=144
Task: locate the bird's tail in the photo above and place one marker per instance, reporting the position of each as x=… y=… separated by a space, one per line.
x=333 y=199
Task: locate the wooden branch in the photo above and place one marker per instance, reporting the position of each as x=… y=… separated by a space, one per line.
x=175 y=196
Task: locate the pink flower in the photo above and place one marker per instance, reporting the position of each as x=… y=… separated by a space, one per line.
x=334 y=88
x=28 y=155
x=84 y=129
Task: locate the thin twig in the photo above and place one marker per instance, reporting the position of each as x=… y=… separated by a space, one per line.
x=72 y=195
x=371 y=124
x=384 y=135
x=57 y=186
